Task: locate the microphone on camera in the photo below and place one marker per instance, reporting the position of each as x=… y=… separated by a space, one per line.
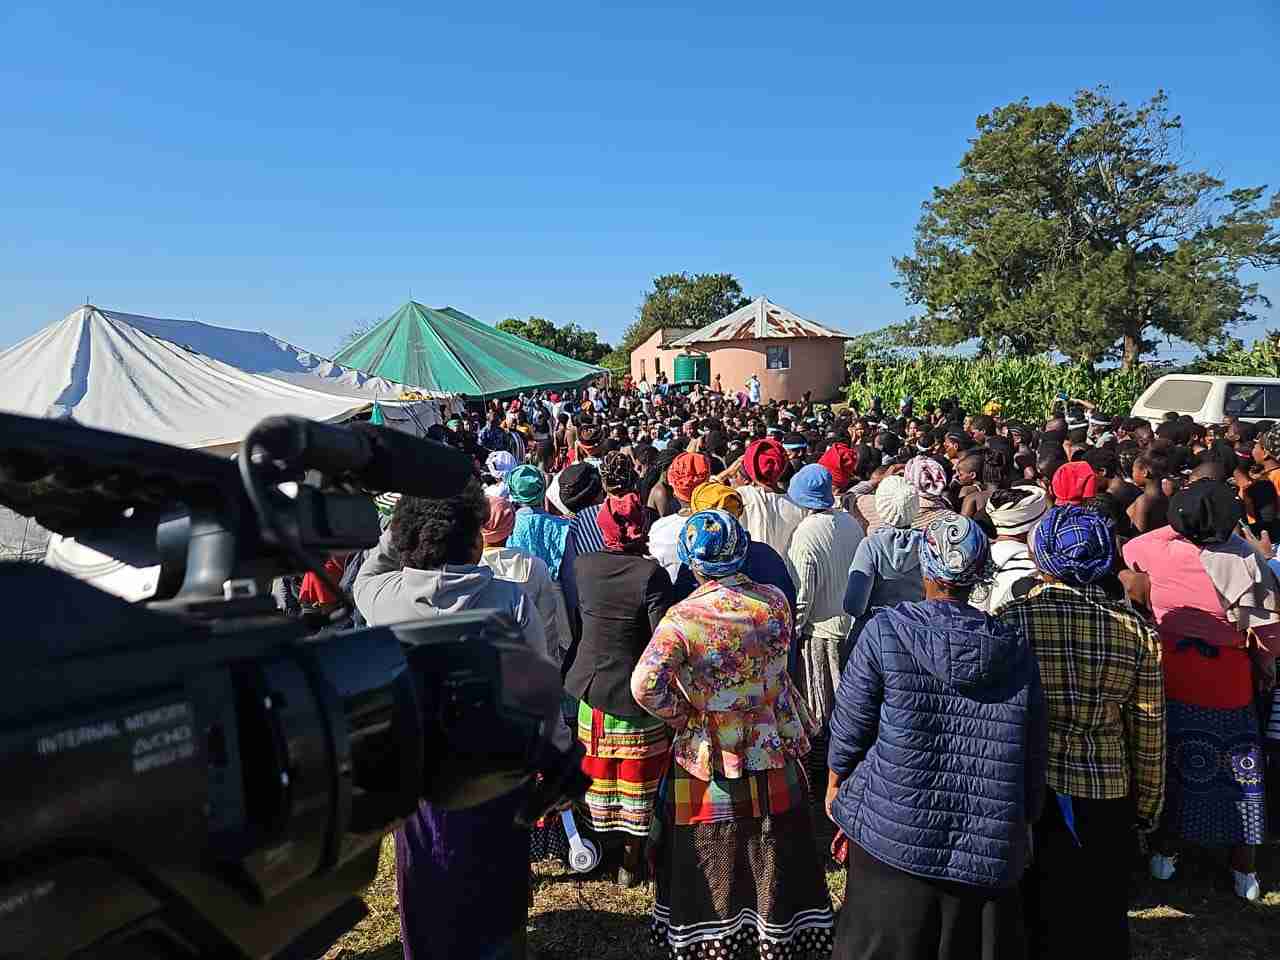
x=376 y=458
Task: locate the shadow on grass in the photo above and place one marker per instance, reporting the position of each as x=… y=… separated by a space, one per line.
x=577 y=933
x=1197 y=916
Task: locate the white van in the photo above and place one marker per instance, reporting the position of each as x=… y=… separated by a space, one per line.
x=1210 y=399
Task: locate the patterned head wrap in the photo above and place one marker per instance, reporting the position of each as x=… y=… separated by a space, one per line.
x=1073 y=545
x=500 y=463
x=716 y=496
x=954 y=551
x=713 y=544
x=1271 y=441
x=686 y=472
x=624 y=523
x=1012 y=519
x=527 y=485
x=618 y=471
x=765 y=460
x=927 y=476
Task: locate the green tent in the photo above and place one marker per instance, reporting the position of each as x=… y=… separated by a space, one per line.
x=445 y=350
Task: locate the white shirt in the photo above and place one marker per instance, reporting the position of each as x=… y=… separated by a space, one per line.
x=820 y=555
x=769 y=517
x=516 y=566
x=663 y=535
x=1012 y=561
x=753 y=389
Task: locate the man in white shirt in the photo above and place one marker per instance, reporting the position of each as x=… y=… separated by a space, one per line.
x=753 y=389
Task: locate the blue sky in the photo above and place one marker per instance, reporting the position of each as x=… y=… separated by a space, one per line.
x=299 y=168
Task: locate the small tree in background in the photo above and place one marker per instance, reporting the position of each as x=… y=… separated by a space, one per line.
x=570 y=340
x=684 y=301
x=356 y=332
x=1080 y=229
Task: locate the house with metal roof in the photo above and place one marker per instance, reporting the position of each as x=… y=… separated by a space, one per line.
x=791 y=355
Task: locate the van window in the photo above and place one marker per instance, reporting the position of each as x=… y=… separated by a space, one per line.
x=1184 y=396
x=1251 y=400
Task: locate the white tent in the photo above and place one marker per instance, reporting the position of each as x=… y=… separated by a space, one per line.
x=180 y=382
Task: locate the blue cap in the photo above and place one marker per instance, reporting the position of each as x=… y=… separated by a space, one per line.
x=811 y=488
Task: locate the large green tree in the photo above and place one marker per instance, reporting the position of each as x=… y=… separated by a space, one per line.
x=682 y=300
x=570 y=340
x=1081 y=229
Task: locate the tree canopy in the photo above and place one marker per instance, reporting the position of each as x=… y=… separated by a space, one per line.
x=686 y=301
x=1080 y=229
x=569 y=341
x=356 y=332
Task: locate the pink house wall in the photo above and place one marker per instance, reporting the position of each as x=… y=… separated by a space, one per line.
x=817 y=364
x=644 y=357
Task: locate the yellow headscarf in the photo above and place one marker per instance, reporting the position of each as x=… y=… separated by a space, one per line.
x=716 y=496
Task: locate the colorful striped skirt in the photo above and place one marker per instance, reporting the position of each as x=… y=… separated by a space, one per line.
x=625 y=760
x=736 y=870
x=1215 y=795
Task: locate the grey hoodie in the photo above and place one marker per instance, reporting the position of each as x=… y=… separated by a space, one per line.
x=885 y=571
x=388 y=593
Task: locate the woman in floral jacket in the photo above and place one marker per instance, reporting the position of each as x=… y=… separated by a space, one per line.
x=732 y=839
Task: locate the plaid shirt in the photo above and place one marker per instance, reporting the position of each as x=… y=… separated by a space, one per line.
x=1100 y=666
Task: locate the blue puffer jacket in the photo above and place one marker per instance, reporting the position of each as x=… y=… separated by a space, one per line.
x=940 y=736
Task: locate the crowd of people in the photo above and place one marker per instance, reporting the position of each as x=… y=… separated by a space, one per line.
x=980 y=663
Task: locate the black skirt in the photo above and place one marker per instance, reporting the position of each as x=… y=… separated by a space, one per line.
x=892 y=915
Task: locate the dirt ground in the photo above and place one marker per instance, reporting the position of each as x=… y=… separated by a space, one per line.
x=1193 y=917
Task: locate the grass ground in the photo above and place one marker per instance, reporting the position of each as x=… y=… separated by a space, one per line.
x=1193 y=917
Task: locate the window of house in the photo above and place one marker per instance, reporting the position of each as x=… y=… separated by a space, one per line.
x=657 y=366
x=777 y=358
x=642 y=363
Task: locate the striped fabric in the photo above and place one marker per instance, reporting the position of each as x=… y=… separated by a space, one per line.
x=625 y=761
x=586 y=534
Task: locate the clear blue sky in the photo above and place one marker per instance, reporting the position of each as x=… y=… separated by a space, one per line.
x=297 y=168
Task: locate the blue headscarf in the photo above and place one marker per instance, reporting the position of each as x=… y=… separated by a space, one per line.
x=1074 y=545
x=713 y=544
x=954 y=551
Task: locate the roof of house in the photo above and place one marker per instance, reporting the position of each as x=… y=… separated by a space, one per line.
x=761 y=319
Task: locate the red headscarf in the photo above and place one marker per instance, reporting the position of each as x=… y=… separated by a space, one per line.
x=764 y=461
x=624 y=522
x=841 y=461
x=686 y=473
x=1074 y=483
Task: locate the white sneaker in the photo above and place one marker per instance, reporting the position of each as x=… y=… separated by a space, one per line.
x=1162 y=867
x=1247 y=885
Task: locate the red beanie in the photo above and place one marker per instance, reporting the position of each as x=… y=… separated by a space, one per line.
x=1074 y=483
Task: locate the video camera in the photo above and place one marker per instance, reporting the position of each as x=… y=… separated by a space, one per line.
x=195 y=776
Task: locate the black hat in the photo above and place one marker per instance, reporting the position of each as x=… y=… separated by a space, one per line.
x=580 y=486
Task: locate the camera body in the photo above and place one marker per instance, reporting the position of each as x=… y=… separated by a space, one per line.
x=197 y=776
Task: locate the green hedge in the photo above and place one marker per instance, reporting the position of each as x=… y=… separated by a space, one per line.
x=1025 y=387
